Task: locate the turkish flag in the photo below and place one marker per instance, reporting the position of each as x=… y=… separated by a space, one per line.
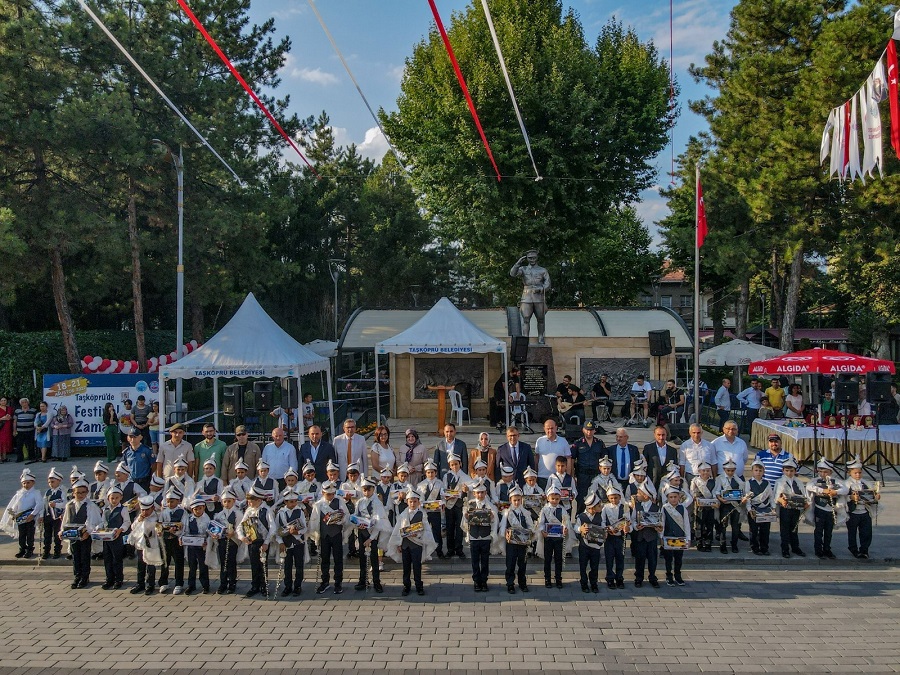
x=892 y=96
x=702 y=229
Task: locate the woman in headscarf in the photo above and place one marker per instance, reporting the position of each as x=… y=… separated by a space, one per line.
x=486 y=453
x=412 y=454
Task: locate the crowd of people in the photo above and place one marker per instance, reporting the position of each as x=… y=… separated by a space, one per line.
x=281 y=507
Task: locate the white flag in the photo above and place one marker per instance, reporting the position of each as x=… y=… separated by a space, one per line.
x=837 y=146
x=896 y=35
x=873 y=154
x=853 y=170
x=825 y=148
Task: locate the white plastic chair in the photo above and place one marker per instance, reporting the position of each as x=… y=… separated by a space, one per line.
x=457 y=408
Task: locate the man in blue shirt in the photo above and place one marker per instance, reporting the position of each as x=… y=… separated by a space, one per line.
x=723 y=402
x=139 y=458
x=751 y=398
x=773 y=459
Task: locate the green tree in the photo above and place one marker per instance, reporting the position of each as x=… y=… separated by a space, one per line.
x=596 y=117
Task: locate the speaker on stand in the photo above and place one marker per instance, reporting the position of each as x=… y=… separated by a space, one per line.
x=233 y=400
x=660 y=345
x=262 y=396
x=878 y=392
x=846 y=392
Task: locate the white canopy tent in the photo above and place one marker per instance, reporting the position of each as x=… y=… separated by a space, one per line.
x=443 y=330
x=251 y=344
x=737 y=353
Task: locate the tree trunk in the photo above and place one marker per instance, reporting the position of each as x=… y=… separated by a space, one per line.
x=881 y=344
x=136 y=293
x=777 y=288
x=792 y=301
x=66 y=324
x=740 y=322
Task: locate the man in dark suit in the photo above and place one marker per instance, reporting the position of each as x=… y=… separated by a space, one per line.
x=658 y=454
x=623 y=456
x=450 y=444
x=318 y=452
x=515 y=454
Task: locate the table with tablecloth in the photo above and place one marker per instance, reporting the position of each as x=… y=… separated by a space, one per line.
x=799 y=441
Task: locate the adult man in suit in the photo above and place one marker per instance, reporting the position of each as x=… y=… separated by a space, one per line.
x=318 y=452
x=658 y=454
x=515 y=454
x=623 y=455
x=448 y=445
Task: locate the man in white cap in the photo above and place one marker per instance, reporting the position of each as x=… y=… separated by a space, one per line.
x=23 y=513
x=352 y=493
x=480 y=522
x=862 y=505
x=827 y=510
x=80 y=519
x=157 y=484
x=54 y=505
x=411 y=543
x=516 y=520
x=788 y=514
x=257 y=530
x=329 y=527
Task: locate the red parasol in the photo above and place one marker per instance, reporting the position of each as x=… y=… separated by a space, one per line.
x=823 y=361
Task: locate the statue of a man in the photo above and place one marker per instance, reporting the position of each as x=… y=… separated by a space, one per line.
x=536 y=282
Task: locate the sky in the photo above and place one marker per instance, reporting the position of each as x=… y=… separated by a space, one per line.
x=376 y=37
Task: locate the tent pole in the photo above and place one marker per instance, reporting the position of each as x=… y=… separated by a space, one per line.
x=330 y=403
x=215 y=419
x=299 y=411
x=377 y=392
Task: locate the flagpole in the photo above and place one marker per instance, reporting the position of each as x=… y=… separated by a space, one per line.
x=697 y=294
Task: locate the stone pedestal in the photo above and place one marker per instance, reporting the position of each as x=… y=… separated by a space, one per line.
x=540 y=357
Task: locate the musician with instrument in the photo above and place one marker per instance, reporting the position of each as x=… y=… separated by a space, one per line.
x=827 y=511
x=117 y=522
x=573 y=409
x=646 y=526
x=516 y=534
x=480 y=522
x=455 y=480
x=330 y=526
x=553 y=526
x=193 y=540
x=172 y=520
x=411 y=542
x=591 y=535
x=792 y=502
x=80 y=519
x=862 y=505
x=601 y=394
x=226 y=541
x=372 y=532
x=616 y=518
x=257 y=530
x=145 y=539
x=706 y=506
x=54 y=503
x=24 y=511
x=729 y=491
x=290 y=534
x=759 y=495
x=675 y=535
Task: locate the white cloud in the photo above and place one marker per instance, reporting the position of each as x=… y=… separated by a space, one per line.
x=395 y=73
x=289 y=10
x=314 y=75
x=374 y=145
x=651 y=209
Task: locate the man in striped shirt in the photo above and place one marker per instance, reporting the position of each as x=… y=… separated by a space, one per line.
x=773 y=459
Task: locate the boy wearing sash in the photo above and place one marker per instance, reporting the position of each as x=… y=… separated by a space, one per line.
x=371 y=536
x=589 y=548
x=352 y=494
x=24 y=511
x=729 y=511
x=516 y=518
x=566 y=484
x=83 y=515
x=291 y=537
x=399 y=489
x=432 y=490
x=256 y=530
x=180 y=481
x=758 y=495
x=412 y=546
x=674 y=479
x=227 y=543
x=308 y=489
x=860 y=512
x=54 y=504
x=676 y=523
x=704 y=487
x=146 y=543
x=131 y=491
x=211 y=485
x=534 y=501
x=480 y=535
x=115 y=518
x=330 y=524
x=551 y=547
x=638 y=483
x=197 y=526
x=173 y=518
x=97 y=494
x=265 y=485
x=75 y=475
x=241 y=484
x=502 y=488
x=481 y=471
x=455 y=481
x=616 y=518
x=827 y=506
x=291 y=484
x=789 y=518
x=157 y=483
x=644 y=537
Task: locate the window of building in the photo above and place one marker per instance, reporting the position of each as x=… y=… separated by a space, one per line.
x=687 y=300
x=666 y=301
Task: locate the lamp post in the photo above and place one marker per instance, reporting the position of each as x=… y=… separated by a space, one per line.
x=178 y=162
x=335 y=271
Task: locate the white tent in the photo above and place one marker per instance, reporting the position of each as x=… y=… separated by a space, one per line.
x=251 y=344
x=443 y=330
x=327 y=348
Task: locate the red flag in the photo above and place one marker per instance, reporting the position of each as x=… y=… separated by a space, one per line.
x=892 y=95
x=702 y=229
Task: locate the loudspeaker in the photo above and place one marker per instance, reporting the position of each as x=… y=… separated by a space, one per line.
x=519 y=349
x=660 y=342
x=262 y=396
x=233 y=405
x=289 y=394
x=680 y=431
x=878 y=387
x=846 y=388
